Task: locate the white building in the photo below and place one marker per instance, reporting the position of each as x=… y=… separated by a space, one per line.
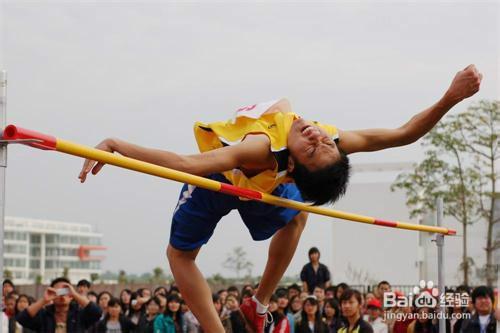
x=41 y=249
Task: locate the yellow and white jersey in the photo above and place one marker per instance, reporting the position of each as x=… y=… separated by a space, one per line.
x=254 y=119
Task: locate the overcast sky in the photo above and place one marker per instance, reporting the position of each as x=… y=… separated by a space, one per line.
x=145 y=72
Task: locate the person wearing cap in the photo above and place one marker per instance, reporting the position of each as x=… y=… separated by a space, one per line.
x=483 y=320
x=374 y=316
x=350 y=304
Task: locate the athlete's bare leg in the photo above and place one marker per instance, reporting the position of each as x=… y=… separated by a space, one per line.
x=194 y=288
x=281 y=251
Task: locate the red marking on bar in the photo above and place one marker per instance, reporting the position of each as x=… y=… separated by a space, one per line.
x=240 y=192
x=12 y=132
x=451 y=232
x=385 y=223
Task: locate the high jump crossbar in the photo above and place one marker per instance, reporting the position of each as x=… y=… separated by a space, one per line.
x=14 y=134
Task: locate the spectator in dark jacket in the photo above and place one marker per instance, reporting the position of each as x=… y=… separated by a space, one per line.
x=115 y=321
x=483 y=320
x=63 y=314
x=314 y=273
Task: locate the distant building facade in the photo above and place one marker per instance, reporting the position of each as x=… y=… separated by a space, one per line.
x=42 y=250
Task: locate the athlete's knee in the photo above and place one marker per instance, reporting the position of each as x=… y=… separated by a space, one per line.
x=174 y=254
x=299 y=221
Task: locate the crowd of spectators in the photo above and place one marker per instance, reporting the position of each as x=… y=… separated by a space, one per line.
x=315 y=306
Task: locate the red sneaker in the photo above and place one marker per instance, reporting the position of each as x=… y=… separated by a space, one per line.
x=249 y=309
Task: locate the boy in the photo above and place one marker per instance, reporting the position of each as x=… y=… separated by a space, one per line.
x=270 y=149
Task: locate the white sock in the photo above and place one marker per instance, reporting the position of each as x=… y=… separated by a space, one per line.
x=261 y=308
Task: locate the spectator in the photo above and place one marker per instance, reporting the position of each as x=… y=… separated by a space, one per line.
x=401 y=324
x=310 y=321
x=22 y=302
x=456 y=313
x=171 y=320
x=137 y=307
x=382 y=288
x=125 y=301
x=331 y=315
x=10 y=304
x=483 y=320
x=238 y=322
x=92 y=296
x=102 y=300
x=423 y=323
x=341 y=287
x=319 y=292
x=350 y=303
x=222 y=296
x=62 y=315
x=293 y=290
x=83 y=287
x=314 y=273
x=233 y=290
x=7 y=287
x=374 y=316
x=295 y=309
x=144 y=293
x=330 y=292
x=160 y=291
x=280 y=323
x=115 y=321
x=146 y=323
x=223 y=313
x=190 y=322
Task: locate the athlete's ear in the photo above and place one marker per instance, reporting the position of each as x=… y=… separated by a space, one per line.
x=291 y=165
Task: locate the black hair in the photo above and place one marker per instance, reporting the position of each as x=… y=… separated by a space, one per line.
x=482 y=291
x=8 y=281
x=332 y=289
x=348 y=293
x=320 y=286
x=104 y=293
x=317 y=316
x=113 y=302
x=84 y=283
x=295 y=287
x=335 y=305
x=246 y=294
x=177 y=316
x=383 y=282
x=154 y=299
x=90 y=293
x=59 y=279
x=160 y=288
x=325 y=185
x=281 y=293
x=216 y=297
x=233 y=288
x=313 y=250
x=18 y=299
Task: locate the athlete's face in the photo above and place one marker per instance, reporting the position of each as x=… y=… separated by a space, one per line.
x=311 y=146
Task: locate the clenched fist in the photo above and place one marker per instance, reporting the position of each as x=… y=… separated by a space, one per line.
x=465 y=84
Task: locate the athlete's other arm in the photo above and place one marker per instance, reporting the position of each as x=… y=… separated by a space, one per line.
x=465 y=84
x=254 y=150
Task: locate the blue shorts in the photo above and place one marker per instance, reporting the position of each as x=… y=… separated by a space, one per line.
x=199 y=211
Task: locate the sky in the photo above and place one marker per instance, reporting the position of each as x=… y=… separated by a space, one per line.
x=145 y=72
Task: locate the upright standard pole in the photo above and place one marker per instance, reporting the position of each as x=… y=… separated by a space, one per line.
x=440 y=263
x=3 y=166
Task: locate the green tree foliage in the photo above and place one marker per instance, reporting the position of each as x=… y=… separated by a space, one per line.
x=460 y=166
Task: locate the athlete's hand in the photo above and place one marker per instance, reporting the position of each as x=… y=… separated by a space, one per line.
x=465 y=84
x=94 y=166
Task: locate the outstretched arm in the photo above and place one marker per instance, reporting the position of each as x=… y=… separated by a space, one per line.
x=465 y=84
x=254 y=150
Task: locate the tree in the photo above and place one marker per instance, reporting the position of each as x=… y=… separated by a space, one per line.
x=7 y=274
x=459 y=164
x=122 y=277
x=94 y=277
x=158 y=275
x=238 y=262
x=65 y=273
